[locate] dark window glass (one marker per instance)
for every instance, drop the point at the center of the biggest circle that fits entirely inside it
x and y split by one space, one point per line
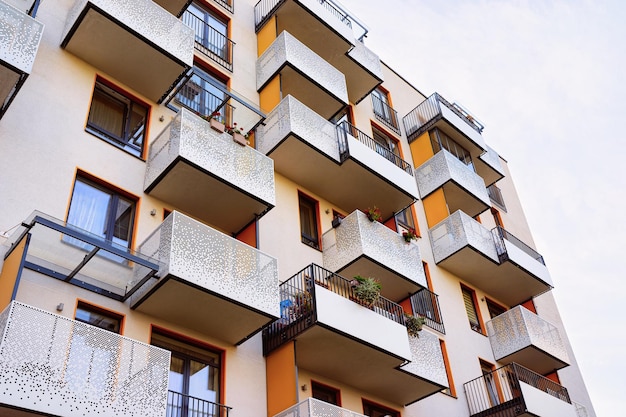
494 309
470 307
325 393
117 119
308 221
375 410
440 140
97 317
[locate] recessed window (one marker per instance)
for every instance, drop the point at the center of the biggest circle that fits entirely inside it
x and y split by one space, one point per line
494 309
98 317
211 34
383 110
309 221
101 211
325 393
469 299
205 95
439 140
118 118
376 410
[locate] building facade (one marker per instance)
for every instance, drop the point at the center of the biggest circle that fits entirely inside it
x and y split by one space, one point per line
194 196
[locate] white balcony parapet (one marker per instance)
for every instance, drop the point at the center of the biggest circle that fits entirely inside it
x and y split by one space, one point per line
20 36
491 158
581 410
208 259
426 358
444 167
146 18
357 236
291 117
367 58
189 137
520 328
312 407
51 364
287 49
458 231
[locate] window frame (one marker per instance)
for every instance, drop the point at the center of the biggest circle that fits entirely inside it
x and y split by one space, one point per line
312 206
468 293
493 307
371 406
214 26
326 389
91 308
128 102
383 110
451 390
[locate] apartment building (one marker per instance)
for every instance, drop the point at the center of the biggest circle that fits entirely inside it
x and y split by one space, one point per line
193 195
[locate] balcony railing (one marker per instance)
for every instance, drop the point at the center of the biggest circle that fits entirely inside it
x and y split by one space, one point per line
299 309
227 4
500 233
426 304
385 113
210 41
345 128
501 392
495 195
312 407
53 365
181 405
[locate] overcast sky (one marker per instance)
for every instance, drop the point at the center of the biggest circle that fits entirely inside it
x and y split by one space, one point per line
547 78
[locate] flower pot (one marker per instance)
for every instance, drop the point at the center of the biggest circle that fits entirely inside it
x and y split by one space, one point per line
240 139
217 125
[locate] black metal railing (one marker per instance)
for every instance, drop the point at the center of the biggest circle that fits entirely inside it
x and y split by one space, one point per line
499 392
194 94
422 117
426 304
226 4
344 129
264 9
499 233
495 195
385 113
181 405
210 41
298 309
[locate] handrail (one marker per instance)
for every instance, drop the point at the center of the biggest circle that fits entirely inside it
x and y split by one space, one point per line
426 304
182 405
500 233
210 41
344 129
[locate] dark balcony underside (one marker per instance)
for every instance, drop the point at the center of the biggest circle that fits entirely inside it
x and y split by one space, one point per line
536 359
349 186
179 301
506 282
341 358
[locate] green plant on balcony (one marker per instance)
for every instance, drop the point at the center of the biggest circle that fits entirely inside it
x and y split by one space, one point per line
239 136
409 235
366 290
215 122
374 214
413 324
302 304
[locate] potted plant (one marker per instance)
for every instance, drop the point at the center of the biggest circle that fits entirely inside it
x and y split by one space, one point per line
409 235
302 303
374 214
215 122
238 134
366 290
413 324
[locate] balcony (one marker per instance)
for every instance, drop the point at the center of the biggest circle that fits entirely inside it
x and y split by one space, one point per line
179 405
435 111
370 249
175 7
210 42
489 166
303 74
48 246
56 366
328 30
208 281
513 391
114 37
385 114
494 261
336 335
426 304
19 42
312 407
189 164
341 165
525 338
463 188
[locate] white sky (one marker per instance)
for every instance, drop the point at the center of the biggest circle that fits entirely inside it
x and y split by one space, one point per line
547 79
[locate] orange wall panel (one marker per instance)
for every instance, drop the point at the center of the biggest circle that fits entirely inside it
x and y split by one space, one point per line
9 273
266 36
248 235
270 96
282 379
421 149
435 207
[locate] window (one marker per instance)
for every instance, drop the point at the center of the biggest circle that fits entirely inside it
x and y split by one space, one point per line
101 211
118 118
98 317
491 382
494 309
195 371
376 410
383 110
495 194
309 221
325 393
211 34
439 140
496 217
469 299
406 220
386 146
205 95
